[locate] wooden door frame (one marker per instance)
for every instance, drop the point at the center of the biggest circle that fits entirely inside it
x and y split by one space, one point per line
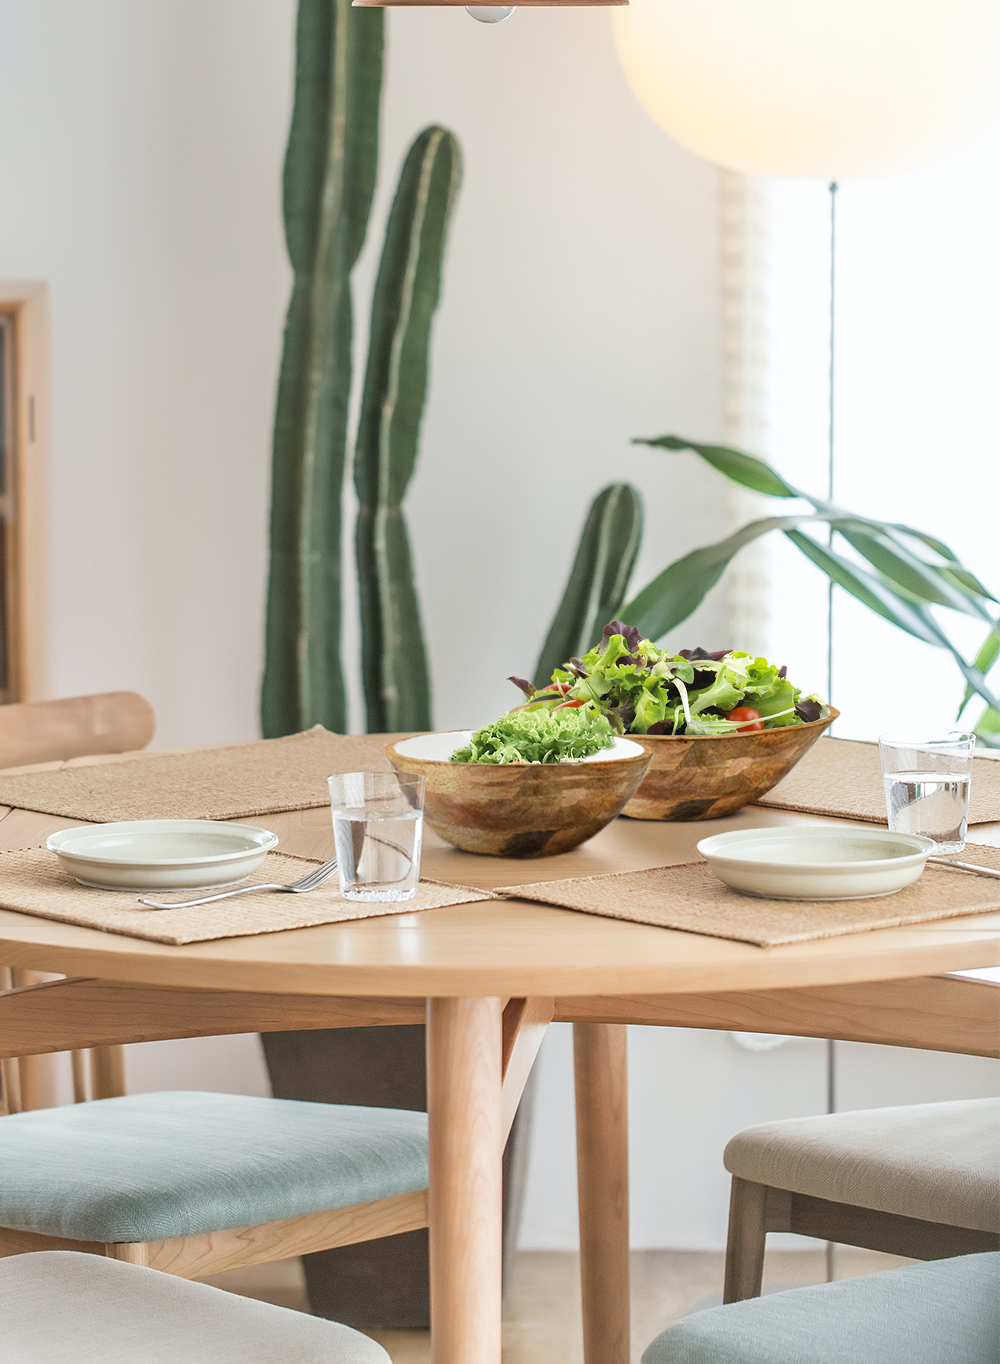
31 608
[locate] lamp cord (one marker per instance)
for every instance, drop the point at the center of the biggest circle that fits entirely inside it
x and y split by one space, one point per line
831 1055
830 427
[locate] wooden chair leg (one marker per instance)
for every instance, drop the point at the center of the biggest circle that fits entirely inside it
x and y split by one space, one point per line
10 1084
129 1253
78 1062
601 1072
745 1244
36 1079
107 1072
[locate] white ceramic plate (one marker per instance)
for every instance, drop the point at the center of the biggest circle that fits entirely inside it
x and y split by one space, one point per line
161 854
440 747
816 863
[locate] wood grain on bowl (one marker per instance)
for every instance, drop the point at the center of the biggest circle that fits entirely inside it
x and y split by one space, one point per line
704 776
522 809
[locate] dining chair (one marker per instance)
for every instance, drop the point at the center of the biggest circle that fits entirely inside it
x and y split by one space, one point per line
922 1314
195 1183
920 1180
74 727
187 1182
56 731
64 1308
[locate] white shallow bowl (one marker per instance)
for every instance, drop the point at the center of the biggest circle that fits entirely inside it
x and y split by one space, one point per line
161 854
815 863
439 748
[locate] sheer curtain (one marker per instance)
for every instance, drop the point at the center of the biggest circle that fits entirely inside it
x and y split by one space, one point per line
917 437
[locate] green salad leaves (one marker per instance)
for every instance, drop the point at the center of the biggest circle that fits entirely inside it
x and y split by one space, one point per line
641 689
539 736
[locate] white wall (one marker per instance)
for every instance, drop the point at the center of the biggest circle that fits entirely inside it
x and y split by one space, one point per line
140 168
140 171
138 162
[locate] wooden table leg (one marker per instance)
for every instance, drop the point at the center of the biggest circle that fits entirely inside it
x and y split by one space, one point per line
466 1146
601 1071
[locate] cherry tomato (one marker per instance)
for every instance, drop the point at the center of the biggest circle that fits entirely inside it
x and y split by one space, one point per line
747 718
571 705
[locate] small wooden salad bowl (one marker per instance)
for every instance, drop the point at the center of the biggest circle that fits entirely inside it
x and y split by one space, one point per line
519 809
704 776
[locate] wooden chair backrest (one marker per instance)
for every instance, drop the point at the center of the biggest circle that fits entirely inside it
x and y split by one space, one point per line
76 727
55 731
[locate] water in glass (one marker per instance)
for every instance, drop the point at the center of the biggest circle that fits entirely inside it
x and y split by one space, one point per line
935 804
377 827
378 854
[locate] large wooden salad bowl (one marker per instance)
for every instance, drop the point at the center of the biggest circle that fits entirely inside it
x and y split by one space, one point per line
521 809
703 776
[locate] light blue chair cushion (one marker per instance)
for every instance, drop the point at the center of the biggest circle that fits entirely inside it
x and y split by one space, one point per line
944 1312
151 1166
59 1307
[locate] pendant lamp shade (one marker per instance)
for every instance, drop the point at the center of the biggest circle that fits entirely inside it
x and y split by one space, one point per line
826 88
497 12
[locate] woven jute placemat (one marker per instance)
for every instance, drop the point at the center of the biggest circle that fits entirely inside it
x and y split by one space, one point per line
689 897
237 781
843 777
34 883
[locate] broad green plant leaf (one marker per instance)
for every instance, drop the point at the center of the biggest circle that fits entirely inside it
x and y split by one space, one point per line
878 596
756 474
682 586
920 580
988 653
598 579
872 591
747 470
987 730
900 590
964 579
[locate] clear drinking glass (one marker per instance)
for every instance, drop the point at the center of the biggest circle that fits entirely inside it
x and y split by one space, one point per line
378 822
927 779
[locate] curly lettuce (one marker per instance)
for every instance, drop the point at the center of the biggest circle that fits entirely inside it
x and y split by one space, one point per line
539 736
642 689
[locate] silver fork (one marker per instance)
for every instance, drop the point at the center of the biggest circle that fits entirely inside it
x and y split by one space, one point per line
964 866
315 878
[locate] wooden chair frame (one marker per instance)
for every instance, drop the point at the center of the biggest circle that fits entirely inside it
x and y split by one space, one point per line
44 1018
756 1209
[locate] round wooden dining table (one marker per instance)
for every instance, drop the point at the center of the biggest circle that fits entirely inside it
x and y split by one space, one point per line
487 978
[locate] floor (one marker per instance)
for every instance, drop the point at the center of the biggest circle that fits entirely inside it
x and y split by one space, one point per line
542 1312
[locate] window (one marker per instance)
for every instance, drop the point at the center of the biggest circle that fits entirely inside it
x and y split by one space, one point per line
917 440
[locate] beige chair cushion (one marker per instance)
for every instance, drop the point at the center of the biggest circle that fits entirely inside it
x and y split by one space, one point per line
61 1307
938 1162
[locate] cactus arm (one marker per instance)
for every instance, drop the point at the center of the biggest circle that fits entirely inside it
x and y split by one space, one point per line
598 579
407 290
329 182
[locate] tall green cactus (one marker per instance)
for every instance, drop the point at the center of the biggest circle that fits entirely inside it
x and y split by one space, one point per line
393 658
598 579
329 180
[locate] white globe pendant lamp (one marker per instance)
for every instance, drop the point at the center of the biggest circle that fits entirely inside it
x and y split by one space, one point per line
826 88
